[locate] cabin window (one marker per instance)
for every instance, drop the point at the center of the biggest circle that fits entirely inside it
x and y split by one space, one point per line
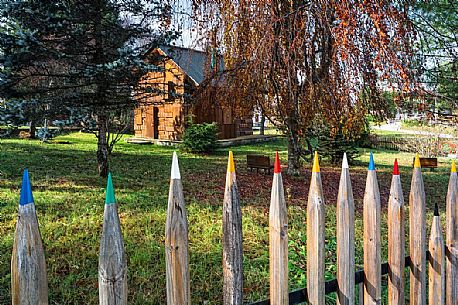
171 90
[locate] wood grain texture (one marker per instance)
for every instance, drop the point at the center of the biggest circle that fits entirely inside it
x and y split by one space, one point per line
371 219
278 243
232 244
361 293
315 241
451 241
417 244
396 243
29 283
345 241
112 260
436 265
176 247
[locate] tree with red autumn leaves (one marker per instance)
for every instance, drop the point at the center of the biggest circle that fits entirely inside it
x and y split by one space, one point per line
308 63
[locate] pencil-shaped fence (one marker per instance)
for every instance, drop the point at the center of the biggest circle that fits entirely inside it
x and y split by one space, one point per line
315 237
417 227
372 248
451 239
278 239
28 268
345 238
396 240
29 283
112 257
176 242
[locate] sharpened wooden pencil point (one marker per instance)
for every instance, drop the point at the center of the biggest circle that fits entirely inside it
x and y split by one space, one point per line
175 172
417 162
396 167
176 242
396 240
29 283
372 248
277 166
315 238
451 238
417 233
112 257
110 195
232 240
345 239
316 163
278 240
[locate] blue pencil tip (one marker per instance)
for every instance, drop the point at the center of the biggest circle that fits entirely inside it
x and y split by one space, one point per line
26 190
371 163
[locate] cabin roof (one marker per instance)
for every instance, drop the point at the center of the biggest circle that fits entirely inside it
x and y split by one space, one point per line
192 62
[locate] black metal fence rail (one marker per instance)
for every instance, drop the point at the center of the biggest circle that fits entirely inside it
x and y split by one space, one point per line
300 296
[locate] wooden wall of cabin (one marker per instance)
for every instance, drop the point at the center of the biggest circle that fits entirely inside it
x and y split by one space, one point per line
244 125
229 125
165 122
161 115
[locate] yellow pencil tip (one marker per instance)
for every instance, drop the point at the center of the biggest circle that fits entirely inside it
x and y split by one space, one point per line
230 163
453 166
417 161
316 164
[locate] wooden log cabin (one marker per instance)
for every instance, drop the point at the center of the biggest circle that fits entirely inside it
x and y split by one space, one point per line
169 97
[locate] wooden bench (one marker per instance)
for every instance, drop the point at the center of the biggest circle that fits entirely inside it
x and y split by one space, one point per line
259 162
427 163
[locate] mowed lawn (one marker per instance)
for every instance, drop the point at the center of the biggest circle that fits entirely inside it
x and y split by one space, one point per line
69 198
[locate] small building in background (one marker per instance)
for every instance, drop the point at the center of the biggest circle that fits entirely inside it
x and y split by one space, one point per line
170 96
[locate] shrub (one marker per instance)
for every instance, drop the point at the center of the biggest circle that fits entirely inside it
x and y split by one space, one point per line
200 138
334 147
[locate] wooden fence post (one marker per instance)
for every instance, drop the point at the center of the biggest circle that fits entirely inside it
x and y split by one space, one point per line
417 229
29 283
451 256
396 240
176 242
436 262
315 238
232 240
345 238
278 240
361 293
112 258
371 212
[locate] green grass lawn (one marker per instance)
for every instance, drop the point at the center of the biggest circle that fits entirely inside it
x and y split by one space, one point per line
69 198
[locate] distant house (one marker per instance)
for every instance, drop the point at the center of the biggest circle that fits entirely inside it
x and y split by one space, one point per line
171 97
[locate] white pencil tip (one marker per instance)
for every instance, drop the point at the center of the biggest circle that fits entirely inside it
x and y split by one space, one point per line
345 161
175 168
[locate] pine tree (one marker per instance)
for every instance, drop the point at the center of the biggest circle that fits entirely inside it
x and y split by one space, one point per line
85 55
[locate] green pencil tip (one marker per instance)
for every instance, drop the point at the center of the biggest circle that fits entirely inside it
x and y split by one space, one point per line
110 195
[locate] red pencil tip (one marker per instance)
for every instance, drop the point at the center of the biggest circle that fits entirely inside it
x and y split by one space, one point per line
277 167
395 167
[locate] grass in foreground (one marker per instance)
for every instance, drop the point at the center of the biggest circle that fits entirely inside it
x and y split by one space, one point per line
70 196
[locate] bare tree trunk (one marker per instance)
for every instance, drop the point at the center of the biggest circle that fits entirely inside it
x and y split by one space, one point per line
102 145
262 122
294 163
32 129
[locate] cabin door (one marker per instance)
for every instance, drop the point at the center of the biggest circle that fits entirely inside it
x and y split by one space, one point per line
147 123
156 122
